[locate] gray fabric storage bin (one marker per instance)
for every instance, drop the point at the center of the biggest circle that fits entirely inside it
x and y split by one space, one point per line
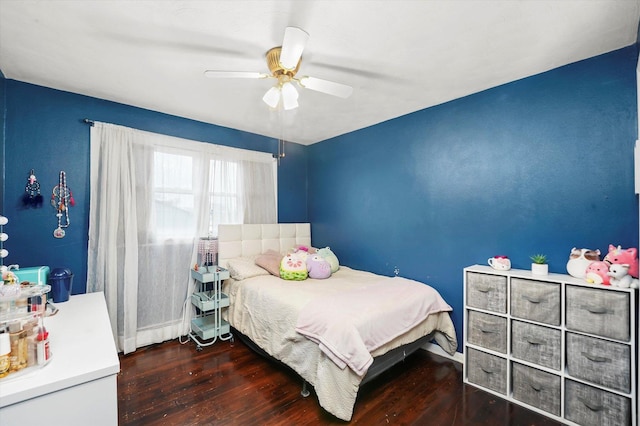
488 292
598 311
535 301
536 388
599 361
537 344
486 370
590 406
488 331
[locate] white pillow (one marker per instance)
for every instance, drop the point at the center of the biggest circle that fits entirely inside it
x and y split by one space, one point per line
241 268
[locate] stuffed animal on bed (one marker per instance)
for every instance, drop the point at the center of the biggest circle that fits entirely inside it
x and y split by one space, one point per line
308 249
302 252
293 267
330 257
318 267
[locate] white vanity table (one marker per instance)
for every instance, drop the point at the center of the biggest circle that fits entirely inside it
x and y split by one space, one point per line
79 385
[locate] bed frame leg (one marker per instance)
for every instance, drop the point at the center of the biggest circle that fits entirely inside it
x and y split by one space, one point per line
305 390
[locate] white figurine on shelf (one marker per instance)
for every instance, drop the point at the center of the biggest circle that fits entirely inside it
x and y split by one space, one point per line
619 273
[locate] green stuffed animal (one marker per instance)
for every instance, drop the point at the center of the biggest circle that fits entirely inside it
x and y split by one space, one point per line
330 257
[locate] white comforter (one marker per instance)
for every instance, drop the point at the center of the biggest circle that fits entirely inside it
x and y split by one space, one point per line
266 309
361 320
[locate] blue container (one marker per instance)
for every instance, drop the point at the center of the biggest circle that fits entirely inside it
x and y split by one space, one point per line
61 280
38 275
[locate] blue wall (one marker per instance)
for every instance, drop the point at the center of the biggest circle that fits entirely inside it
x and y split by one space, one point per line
539 165
45 132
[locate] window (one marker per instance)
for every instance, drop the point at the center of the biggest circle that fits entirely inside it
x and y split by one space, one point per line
173 210
152 198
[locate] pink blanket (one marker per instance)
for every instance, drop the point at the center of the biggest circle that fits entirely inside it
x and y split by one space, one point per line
350 325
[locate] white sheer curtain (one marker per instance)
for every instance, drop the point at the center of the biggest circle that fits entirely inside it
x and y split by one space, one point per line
152 197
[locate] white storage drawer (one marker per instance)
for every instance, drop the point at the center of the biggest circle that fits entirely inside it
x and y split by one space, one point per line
571 347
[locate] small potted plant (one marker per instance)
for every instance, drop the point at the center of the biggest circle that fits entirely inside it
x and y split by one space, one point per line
539 265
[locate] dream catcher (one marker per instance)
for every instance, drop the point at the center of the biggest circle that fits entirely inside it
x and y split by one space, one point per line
32 196
61 200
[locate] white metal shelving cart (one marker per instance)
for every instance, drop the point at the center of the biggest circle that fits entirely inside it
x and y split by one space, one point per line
207 326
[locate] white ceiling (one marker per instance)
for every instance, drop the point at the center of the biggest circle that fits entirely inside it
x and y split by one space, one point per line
400 56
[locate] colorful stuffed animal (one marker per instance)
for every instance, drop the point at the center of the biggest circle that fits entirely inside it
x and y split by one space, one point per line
318 267
293 267
620 277
302 253
623 256
330 257
596 273
579 260
308 249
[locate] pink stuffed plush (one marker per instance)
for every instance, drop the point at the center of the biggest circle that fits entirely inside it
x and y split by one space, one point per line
597 273
621 256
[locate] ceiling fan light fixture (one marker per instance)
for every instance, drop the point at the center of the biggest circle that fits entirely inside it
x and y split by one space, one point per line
289 91
289 96
283 63
272 97
290 104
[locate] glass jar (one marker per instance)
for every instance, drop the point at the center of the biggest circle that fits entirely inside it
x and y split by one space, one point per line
5 350
17 338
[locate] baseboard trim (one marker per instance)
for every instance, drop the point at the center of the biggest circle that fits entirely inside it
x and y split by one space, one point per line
433 348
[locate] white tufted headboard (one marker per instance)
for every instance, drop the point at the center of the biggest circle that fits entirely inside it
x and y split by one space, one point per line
253 239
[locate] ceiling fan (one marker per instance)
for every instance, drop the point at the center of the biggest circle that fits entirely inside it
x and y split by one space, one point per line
284 62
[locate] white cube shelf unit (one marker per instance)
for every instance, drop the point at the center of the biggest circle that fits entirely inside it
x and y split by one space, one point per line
553 343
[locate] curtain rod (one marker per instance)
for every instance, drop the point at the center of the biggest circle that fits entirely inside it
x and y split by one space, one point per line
280 155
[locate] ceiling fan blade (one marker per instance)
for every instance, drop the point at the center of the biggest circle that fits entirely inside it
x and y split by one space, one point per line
292 46
234 74
326 86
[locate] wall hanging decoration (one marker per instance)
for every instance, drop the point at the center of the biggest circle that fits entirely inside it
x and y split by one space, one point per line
61 200
3 237
32 196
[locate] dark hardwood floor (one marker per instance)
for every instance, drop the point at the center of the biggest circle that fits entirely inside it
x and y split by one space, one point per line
228 384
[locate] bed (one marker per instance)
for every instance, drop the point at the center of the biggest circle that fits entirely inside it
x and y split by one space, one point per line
279 316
